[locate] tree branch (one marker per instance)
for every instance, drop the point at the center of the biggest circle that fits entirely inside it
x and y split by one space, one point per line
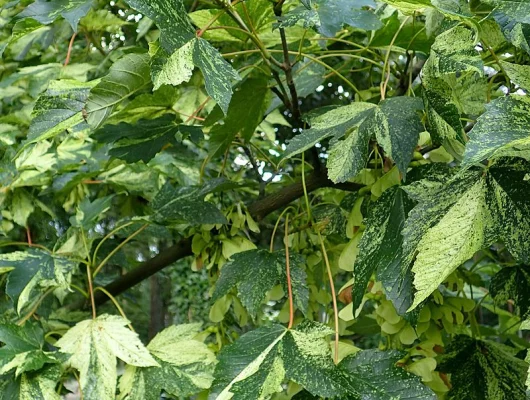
258 209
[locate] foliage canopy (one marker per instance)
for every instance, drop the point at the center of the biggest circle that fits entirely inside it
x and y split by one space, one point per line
264 199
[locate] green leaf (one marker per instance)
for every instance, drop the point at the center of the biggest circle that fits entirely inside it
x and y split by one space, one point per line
34 269
245 113
332 123
349 156
102 21
186 366
89 212
186 204
329 17
373 375
482 370
512 17
48 11
255 272
409 6
94 345
501 131
454 239
126 76
171 69
217 72
250 368
258 362
508 203
22 348
172 19
59 109
21 207
454 51
141 141
443 117
146 106
397 126
512 283
380 250
32 386
518 74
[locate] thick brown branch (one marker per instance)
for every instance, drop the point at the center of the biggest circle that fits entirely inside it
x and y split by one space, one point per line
258 209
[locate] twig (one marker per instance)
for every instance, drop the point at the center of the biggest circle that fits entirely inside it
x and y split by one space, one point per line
69 53
259 178
288 273
333 296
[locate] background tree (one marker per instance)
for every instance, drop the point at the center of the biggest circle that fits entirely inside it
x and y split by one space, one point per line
254 199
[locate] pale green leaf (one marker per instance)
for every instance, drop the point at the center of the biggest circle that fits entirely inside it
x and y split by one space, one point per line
186 366
454 239
518 74
93 346
349 156
126 76
171 69
59 109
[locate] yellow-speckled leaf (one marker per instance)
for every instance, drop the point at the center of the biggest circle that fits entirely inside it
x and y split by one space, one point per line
94 345
453 240
186 366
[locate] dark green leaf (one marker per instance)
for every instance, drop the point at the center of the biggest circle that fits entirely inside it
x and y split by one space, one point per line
397 126
513 18
141 141
482 370
217 72
501 131
235 373
245 113
255 272
380 250
373 375
34 269
186 204
47 11
512 283
172 19
89 212
509 206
